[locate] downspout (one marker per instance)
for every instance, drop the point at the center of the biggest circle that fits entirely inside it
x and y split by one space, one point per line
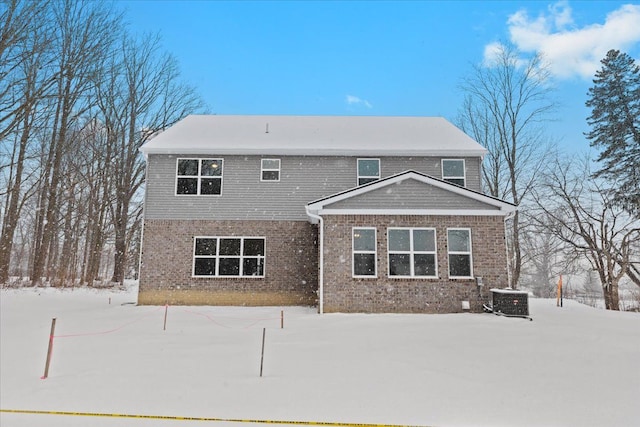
506 247
144 209
320 261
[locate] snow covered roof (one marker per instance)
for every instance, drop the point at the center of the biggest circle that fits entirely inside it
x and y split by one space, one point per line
314 135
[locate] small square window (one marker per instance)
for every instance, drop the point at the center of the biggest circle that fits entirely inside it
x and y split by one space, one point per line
368 170
453 171
270 170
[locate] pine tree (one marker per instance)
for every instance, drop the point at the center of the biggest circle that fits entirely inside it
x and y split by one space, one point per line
614 100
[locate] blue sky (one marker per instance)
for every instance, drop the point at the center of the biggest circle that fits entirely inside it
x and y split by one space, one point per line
380 58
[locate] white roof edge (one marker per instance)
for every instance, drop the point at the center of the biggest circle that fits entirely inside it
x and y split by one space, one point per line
409 211
316 152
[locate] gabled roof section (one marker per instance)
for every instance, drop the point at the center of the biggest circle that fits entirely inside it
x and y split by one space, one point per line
409 193
314 136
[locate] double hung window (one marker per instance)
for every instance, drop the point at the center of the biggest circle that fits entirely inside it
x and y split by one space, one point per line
270 170
412 252
228 256
460 255
368 170
364 252
199 177
453 171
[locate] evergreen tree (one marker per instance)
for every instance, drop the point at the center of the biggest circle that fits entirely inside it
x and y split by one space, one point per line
614 100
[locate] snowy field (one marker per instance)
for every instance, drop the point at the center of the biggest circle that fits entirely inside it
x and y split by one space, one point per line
571 366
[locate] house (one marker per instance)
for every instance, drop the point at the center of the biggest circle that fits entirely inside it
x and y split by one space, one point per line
354 214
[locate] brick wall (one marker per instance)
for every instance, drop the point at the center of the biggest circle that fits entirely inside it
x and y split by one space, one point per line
342 293
291 264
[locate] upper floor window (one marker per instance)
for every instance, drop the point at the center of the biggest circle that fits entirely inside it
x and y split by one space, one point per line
453 171
364 252
368 170
412 252
270 170
228 256
460 256
199 176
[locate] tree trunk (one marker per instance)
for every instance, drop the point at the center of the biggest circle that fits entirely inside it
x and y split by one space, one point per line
12 212
611 297
120 256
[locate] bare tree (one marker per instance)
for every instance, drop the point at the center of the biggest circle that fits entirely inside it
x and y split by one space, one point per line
506 102
22 26
545 258
24 79
84 31
78 96
138 96
580 212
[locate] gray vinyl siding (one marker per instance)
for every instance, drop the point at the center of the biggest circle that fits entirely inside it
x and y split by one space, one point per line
302 180
410 194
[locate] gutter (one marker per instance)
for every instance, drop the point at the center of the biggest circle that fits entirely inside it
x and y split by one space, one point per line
320 261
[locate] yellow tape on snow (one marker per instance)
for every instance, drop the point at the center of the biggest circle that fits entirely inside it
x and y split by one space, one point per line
178 418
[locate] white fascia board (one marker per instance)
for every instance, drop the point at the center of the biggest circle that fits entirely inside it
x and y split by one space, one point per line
310 152
421 212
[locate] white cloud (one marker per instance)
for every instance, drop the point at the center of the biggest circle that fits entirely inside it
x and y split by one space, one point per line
569 50
354 100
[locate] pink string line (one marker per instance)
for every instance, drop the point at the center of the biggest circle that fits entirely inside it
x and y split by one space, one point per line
110 330
225 326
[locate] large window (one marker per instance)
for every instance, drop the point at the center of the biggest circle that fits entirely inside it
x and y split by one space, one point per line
199 177
364 252
228 256
368 170
270 170
412 252
460 257
453 171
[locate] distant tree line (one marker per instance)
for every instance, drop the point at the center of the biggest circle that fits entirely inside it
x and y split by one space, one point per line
79 94
571 220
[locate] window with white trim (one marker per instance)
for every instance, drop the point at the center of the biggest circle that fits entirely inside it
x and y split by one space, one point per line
228 257
412 252
453 171
270 170
368 170
460 253
199 177
364 252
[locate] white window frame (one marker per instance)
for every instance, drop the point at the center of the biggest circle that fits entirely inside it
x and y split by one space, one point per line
469 253
261 258
449 178
373 178
412 252
360 251
199 176
263 170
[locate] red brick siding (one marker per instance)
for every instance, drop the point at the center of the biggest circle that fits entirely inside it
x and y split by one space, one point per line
291 264
342 293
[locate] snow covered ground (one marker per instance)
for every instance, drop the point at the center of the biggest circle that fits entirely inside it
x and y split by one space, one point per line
571 366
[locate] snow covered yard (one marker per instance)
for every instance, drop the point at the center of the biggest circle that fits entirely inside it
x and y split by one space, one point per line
571 366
